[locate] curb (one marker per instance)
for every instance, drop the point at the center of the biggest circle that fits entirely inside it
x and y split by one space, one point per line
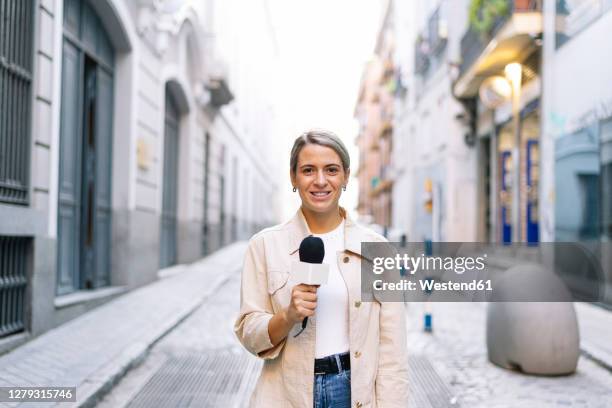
596 357
105 379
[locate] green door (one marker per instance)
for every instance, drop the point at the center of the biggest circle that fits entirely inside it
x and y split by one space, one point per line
84 199
167 253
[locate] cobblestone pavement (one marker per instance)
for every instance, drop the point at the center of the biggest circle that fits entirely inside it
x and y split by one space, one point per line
95 349
457 350
208 329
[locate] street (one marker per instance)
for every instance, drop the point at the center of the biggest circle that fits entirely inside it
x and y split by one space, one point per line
195 343
143 143
200 363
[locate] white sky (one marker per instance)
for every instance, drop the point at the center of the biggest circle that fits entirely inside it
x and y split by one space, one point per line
323 47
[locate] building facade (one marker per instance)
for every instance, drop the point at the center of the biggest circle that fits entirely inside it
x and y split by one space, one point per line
502 133
374 112
123 150
576 191
433 161
489 47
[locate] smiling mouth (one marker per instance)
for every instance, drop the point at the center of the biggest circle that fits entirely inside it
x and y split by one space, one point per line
320 194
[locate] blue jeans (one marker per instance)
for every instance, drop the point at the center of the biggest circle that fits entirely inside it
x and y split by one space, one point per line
333 390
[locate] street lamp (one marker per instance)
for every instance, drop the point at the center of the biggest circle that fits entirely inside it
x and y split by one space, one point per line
513 72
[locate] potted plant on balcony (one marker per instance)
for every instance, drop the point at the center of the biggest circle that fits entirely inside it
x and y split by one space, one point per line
484 13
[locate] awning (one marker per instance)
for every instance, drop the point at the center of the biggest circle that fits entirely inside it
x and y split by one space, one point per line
512 43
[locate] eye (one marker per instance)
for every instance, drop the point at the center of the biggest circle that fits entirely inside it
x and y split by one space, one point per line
333 170
307 170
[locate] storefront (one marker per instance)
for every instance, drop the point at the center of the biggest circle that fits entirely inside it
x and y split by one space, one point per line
529 175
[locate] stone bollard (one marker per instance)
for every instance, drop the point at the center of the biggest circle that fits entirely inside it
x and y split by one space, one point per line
534 337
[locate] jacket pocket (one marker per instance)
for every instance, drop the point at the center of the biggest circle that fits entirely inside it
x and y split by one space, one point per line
276 281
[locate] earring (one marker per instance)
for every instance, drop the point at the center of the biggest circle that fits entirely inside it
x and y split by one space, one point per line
343 188
294 189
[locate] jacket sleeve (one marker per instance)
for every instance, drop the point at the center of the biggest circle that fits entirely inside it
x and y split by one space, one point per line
392 375
251 326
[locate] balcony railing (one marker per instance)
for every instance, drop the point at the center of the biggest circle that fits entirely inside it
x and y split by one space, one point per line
430 43
474 42
436 29
421 56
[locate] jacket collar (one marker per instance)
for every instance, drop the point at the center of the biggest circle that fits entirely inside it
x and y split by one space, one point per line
298 229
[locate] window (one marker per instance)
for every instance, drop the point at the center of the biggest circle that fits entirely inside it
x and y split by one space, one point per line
606 179
16 50
575 15
577 173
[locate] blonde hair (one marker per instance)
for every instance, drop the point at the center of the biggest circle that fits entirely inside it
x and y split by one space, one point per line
322 138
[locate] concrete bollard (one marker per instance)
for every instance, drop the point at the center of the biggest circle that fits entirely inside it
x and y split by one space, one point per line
539 338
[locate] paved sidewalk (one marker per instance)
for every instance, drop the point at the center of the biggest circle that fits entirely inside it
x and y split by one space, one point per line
93 351
595 333
458 352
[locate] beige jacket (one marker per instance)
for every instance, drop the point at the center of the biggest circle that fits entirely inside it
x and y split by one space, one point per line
377 331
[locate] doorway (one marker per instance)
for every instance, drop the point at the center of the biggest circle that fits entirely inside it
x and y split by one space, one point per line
85 158
167 253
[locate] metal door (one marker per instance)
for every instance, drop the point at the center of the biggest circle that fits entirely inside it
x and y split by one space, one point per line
84 201
532 163
205 226
507 184
169 192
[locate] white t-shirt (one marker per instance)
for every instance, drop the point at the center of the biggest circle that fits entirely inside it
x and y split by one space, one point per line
332 300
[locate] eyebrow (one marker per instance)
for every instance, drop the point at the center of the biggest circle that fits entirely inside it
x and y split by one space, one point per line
327 165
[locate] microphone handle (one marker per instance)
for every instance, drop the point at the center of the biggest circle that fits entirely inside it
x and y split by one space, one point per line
304 322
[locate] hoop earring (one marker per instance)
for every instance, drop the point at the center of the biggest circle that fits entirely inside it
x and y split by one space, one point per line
294 189
343 188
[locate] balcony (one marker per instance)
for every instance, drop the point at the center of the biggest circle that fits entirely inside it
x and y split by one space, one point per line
509 38
437 32
430 43
386 128
421 56
220 93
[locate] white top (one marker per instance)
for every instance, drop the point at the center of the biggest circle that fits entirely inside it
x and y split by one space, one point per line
332 300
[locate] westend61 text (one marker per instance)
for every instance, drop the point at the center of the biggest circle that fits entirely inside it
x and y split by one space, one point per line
429 285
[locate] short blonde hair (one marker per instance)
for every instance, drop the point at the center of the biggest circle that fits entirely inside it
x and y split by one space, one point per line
322 138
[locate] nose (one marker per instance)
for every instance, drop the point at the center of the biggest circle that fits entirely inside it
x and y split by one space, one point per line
321 180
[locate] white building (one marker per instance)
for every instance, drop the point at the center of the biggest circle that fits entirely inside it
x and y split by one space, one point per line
435 177
576 192
127 144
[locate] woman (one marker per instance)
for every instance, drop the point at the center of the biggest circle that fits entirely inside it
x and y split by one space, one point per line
351 354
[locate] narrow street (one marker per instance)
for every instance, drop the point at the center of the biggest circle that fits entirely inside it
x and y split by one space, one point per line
199 364
143 143
171 344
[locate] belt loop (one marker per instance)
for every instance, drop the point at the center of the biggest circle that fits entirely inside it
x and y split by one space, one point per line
338 363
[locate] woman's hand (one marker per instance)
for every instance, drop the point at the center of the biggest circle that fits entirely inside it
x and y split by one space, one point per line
303 303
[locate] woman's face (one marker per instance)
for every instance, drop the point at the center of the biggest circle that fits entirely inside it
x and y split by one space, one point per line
319 178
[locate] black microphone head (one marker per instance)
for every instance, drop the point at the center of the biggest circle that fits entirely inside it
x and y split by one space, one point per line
312 250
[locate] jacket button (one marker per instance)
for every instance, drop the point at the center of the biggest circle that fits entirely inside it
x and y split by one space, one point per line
357 354
357 303
358 404
346 259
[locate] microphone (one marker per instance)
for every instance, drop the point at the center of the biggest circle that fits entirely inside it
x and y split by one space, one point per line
312 251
